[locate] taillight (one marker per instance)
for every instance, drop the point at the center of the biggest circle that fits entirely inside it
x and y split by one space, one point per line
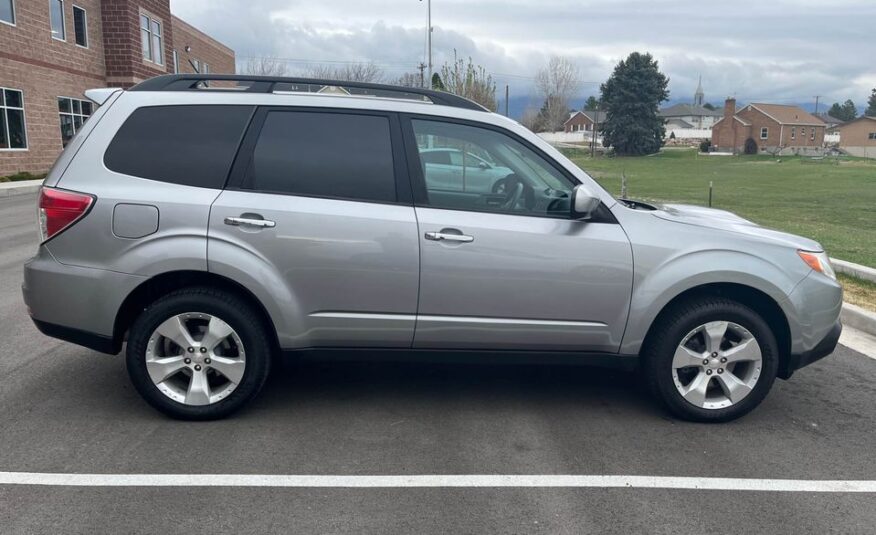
58 209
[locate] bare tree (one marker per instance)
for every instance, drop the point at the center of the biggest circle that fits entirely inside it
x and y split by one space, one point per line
470 81
409 79
530 119
352 72
267 66
557 83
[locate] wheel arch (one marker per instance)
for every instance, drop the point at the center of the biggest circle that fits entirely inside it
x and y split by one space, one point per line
156 287
757 300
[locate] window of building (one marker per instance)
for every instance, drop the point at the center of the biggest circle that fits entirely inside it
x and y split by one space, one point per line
56 12
186 145
764 132
812 134
793 132
206 69
337 155
73 113
803 132
7 11
151 40
872 135
80 26
13 132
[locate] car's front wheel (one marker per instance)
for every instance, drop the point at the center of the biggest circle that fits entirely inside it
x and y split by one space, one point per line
711 359
198 354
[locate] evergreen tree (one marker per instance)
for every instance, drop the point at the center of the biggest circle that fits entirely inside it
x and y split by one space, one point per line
591 104
631 98
709 106
437 84
844 112
871 105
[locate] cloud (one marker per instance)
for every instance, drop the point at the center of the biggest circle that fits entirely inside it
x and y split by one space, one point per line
781 50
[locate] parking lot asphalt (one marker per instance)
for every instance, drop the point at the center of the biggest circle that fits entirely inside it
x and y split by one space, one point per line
66 409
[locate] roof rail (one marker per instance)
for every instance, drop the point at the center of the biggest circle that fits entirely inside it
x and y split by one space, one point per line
270 84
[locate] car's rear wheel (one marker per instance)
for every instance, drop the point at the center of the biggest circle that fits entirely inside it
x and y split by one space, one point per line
711 359
198 354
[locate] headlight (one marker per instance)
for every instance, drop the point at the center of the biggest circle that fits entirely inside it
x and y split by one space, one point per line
818 261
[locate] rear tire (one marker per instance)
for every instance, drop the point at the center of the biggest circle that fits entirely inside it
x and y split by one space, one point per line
710 359
171 343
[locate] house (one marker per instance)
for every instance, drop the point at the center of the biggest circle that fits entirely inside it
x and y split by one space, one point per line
774 128
858 137
51 51
689 116
829 120
583 121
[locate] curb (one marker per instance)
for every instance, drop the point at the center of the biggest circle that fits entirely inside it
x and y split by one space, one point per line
858 318
12 189
855 270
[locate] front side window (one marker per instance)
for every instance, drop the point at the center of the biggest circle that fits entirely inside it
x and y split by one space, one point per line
80 26
151 40
56 12
764 132
7 11
337 155
73 113
488 171
12 128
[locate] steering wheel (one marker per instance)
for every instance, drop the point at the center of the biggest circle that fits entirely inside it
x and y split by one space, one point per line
514 190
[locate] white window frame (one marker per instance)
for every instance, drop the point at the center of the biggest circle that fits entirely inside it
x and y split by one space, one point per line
63 21
12 7
73 114
802 132
153 56
793 132
812 135
84 25
3 109
764 132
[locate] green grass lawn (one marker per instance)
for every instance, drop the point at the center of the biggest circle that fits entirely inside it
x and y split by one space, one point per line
832 200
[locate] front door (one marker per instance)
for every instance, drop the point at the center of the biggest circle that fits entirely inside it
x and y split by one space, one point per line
511 269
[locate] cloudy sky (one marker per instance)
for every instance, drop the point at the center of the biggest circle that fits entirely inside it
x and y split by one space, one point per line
766 50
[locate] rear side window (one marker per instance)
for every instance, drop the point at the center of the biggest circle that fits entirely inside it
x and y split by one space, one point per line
186 145
339 155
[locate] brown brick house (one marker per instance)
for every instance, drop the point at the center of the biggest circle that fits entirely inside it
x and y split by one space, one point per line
51 51
583 121
774 128
858 137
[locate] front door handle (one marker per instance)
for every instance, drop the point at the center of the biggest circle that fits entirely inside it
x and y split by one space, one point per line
248 222
449 236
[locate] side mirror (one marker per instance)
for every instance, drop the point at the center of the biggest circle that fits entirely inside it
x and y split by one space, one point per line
584 203
483 165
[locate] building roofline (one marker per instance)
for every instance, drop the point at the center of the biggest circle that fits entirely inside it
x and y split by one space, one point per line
792 123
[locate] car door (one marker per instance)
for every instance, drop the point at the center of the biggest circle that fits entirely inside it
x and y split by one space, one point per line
318 216
512 270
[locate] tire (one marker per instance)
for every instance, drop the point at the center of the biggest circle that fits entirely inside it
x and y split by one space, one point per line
245 354
698 321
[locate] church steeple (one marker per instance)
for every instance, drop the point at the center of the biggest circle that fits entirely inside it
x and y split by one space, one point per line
699 96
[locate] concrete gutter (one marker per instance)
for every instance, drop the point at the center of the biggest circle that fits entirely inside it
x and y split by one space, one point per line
855 270
23 187
858 318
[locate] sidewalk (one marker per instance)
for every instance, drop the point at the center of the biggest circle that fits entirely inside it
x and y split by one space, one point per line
11 189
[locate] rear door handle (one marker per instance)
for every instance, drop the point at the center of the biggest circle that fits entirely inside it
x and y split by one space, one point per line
248 222
448 236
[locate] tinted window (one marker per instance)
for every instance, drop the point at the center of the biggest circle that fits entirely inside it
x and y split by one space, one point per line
324 154
188 145
488 171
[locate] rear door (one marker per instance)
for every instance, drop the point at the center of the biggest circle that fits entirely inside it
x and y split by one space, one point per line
318 214
511 269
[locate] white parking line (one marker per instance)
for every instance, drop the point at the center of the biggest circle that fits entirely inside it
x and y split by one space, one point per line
440 481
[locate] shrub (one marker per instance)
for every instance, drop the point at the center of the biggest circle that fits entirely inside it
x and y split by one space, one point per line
705 145
22 175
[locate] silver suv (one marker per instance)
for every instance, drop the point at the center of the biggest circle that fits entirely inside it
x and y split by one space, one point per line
212 222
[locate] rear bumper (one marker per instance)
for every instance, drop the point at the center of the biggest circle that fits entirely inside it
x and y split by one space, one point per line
824 348
97 342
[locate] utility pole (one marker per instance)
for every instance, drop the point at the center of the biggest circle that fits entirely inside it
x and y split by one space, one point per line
421 67
506 101
429 35
595 131
816 103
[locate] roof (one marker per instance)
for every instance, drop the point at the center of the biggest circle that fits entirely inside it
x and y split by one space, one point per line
681 123
785 114
682 110
594 116
853 121
829 120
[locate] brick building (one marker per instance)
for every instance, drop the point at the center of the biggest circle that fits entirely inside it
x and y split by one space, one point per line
858 137
773 128
583 121
51 51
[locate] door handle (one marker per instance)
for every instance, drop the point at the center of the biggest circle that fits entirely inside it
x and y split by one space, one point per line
448 236
245 221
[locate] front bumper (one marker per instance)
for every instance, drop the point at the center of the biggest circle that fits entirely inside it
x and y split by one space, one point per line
825 347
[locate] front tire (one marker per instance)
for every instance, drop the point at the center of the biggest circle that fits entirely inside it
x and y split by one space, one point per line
711 360
198 354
